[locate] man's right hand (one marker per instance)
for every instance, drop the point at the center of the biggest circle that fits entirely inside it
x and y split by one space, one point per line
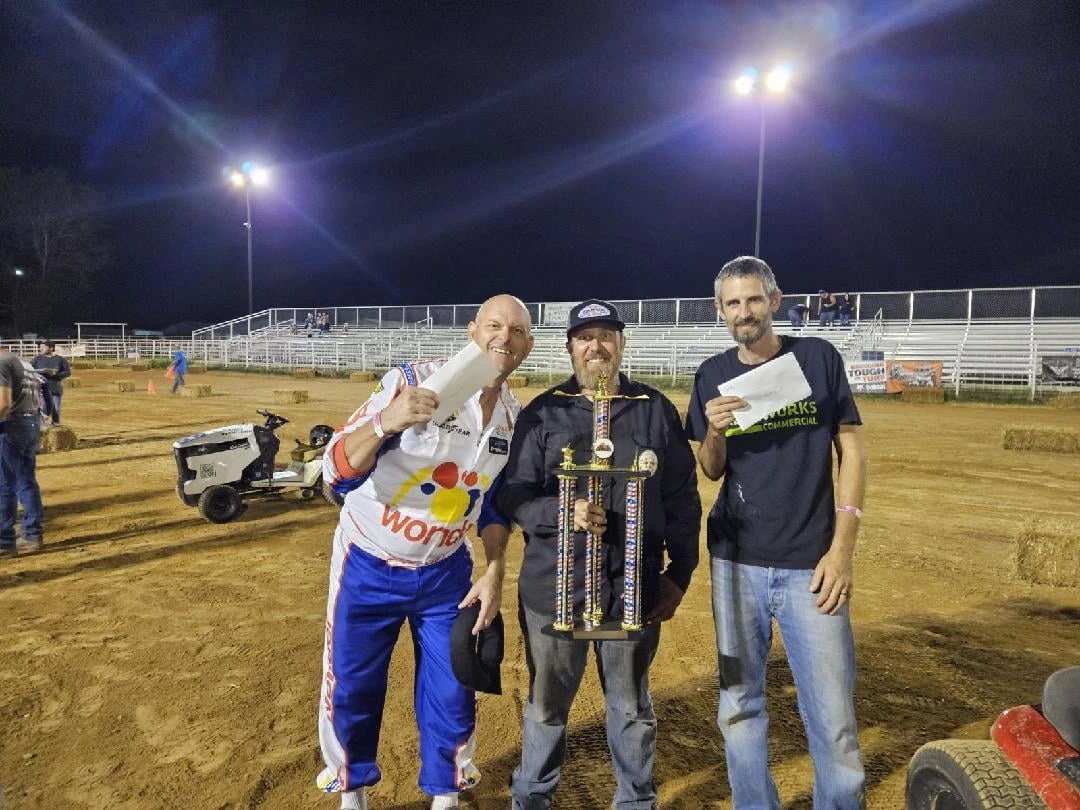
413 406
589 517
719 414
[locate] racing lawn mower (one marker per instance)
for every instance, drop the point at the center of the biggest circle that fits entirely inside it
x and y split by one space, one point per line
1031 762
219 468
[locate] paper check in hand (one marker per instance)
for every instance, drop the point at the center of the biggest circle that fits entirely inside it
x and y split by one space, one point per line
459 378
769 387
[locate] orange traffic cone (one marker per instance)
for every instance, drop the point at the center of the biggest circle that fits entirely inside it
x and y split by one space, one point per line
150 387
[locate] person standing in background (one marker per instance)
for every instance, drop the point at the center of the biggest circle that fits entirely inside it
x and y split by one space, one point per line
179 369
55 369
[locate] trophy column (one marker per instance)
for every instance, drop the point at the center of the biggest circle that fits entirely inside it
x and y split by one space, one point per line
599 473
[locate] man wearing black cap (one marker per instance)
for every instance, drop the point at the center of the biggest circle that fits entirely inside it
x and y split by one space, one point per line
55 369
641 419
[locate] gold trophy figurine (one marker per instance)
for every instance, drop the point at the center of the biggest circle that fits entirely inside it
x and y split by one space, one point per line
598 472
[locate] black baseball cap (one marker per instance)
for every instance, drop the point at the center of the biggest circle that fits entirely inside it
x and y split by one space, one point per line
476 659
50 343
593 311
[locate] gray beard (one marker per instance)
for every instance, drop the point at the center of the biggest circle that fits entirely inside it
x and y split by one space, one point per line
748 339
588 380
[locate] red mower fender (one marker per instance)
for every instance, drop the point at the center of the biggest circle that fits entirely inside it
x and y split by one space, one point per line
1034 746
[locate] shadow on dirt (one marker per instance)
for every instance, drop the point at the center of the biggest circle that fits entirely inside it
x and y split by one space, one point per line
239 533
956 672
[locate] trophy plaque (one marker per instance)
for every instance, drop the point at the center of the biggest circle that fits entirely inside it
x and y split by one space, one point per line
592 624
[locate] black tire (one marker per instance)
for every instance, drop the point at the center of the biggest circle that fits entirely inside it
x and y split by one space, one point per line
330 496
220 503
966 775
307 493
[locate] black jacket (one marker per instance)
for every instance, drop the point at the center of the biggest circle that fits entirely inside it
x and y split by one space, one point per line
672 506
58 364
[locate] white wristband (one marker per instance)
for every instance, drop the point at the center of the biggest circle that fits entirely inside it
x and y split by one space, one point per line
856 511
376 423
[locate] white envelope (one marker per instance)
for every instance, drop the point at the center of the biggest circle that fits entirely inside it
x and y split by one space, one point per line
459 378
769 387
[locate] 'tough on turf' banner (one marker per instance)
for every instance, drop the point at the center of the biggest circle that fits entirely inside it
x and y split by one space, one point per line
913 374
867 376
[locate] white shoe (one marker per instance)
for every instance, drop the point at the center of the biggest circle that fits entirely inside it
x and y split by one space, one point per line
354 800
444 801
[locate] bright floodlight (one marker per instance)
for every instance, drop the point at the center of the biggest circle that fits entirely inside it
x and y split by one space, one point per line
260 176
19 271
778 78
744 85
238 179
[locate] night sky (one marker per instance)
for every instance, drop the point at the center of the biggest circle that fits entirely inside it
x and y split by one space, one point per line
443 151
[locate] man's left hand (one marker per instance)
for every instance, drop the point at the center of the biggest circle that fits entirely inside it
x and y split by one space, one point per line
667 602
488 589
833 582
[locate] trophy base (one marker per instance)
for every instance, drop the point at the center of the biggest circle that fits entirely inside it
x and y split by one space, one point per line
607 631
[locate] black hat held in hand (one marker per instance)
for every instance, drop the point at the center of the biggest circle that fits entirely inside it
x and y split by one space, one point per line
476 659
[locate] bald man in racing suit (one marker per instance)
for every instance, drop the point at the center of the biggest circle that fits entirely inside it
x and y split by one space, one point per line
416 489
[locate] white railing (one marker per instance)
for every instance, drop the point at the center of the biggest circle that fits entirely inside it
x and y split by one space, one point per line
1002 353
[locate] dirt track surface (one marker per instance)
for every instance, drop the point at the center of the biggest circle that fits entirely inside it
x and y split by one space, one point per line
149 659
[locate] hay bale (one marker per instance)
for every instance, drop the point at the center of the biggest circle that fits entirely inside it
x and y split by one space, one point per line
1048 553
57 438
122 386
517 381
1064 401
923 395
73 382
291 397
1049 440
139 366
304 373
197 391
362 376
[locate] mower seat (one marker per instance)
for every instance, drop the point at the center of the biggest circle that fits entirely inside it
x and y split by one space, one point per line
304 452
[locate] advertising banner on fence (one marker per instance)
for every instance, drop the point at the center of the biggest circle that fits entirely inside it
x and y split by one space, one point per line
557 314
913 374
867 376
1060 368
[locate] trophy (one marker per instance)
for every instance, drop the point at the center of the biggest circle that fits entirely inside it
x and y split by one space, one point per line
592 624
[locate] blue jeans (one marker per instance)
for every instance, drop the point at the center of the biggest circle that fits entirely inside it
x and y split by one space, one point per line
178 381
556 666
821 652
56 407
18 478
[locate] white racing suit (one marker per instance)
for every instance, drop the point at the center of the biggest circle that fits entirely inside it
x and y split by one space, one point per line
400 553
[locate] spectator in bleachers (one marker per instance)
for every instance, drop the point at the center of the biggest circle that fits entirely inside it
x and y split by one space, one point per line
309 324
827 306
797 315
845 308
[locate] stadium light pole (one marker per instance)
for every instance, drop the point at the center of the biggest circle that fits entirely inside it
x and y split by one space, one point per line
244 178
776 82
